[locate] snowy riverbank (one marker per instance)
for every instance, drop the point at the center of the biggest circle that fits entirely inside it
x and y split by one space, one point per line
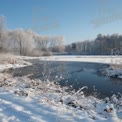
10 61
24 99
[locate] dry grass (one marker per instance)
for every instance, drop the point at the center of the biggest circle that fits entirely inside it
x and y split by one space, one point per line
8 58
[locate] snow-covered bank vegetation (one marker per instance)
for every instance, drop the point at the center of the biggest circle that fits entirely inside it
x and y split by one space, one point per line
115 68
112 72
9 61
24 99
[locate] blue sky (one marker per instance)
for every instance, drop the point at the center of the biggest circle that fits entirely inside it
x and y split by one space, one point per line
71 18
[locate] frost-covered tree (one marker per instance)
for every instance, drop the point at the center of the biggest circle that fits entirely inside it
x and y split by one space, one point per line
23 41
2 32
57 44
50 43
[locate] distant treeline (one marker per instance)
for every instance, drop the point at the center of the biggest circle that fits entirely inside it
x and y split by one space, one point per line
102 45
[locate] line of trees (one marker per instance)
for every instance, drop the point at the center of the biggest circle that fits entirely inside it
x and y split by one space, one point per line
102 45
27 42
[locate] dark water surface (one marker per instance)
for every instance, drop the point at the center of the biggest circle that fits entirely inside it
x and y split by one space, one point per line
74 74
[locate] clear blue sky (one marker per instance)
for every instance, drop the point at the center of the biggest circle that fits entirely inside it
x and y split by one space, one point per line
71 18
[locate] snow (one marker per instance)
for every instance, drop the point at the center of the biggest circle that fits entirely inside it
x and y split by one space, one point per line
112 72
83 58
27 100
17 109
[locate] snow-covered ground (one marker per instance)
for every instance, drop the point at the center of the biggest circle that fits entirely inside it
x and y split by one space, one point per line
7 66
93 59
26 100
15 62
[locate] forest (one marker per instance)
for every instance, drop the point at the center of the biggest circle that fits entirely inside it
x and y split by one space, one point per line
101 45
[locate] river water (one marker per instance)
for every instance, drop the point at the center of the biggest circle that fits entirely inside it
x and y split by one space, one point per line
75 75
